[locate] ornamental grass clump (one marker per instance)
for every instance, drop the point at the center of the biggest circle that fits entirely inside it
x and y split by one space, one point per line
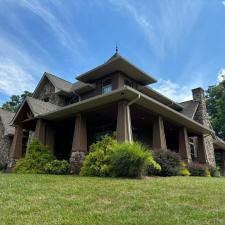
132 160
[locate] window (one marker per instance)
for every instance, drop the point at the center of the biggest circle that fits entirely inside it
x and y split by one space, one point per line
193 147
106 86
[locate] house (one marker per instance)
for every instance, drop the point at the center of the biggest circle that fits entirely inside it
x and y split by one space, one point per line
6 136
115 97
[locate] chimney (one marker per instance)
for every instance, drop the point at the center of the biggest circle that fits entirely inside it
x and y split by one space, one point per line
201 115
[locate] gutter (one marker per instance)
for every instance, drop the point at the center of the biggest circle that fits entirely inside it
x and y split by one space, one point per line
130 139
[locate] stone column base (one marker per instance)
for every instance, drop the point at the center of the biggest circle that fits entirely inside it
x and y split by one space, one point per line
11 165
76 162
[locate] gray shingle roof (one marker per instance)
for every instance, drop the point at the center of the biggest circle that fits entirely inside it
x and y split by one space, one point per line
59 83
190 108
39 107
6 118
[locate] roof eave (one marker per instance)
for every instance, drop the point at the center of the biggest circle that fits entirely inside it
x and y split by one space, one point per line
128 93
113 66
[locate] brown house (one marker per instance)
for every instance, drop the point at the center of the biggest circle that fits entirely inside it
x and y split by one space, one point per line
114 97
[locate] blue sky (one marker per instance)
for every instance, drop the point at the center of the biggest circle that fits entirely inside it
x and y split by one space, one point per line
181 43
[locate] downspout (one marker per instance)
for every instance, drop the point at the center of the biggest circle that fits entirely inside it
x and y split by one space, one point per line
130 139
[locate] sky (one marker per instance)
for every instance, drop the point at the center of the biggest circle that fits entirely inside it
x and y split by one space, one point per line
181 43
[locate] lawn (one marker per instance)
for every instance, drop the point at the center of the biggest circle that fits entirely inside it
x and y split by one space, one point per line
46 199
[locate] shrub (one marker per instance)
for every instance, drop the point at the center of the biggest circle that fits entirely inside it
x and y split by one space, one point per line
198 169
132 160
98 161
37 156
169 161
57 167
184 170
214 171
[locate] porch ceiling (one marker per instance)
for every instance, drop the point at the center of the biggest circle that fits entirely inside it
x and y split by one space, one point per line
127 93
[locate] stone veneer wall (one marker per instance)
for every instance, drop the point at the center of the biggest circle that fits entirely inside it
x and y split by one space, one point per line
5 143
48 90
202 117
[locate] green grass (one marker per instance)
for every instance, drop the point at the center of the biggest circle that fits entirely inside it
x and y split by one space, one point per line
46 199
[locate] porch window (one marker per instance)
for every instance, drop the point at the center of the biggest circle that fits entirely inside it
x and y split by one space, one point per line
106 86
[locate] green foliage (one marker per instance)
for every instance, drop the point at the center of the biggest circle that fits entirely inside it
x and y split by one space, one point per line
169 161
215 101
98 161
132 160
36 158
198 169
184 170
109 158
15 101
57 167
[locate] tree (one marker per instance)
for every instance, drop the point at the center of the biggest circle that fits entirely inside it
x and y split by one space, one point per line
15 101
215 101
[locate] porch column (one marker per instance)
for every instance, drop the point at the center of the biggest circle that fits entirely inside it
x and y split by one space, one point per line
123 129
201 152
159 138
222 163
184 147
79 146
40 131
16 146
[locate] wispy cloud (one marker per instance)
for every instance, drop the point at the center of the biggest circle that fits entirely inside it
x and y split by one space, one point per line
13 78
221 75
223 2
181 90
166 24
69 38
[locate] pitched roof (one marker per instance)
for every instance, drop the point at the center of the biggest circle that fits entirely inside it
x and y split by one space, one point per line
190 108
117 63
81 87
36 106
59 83
160 97
39 107
6 118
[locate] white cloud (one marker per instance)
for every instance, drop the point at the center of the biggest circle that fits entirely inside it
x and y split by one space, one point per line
165 24
66 34
13 78
174 91
221 75
223 2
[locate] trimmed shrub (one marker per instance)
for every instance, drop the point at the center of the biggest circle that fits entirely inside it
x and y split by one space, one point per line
132 160
169 161
37 156
98 161
58 167
199 169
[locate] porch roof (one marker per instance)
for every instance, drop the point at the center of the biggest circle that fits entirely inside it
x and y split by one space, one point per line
127 93
219 143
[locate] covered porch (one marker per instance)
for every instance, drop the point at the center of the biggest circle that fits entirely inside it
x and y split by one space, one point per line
70 131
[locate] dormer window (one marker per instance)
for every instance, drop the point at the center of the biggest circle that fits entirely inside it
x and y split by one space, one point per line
106 86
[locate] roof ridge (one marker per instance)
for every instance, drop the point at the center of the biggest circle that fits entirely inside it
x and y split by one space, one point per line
47 73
